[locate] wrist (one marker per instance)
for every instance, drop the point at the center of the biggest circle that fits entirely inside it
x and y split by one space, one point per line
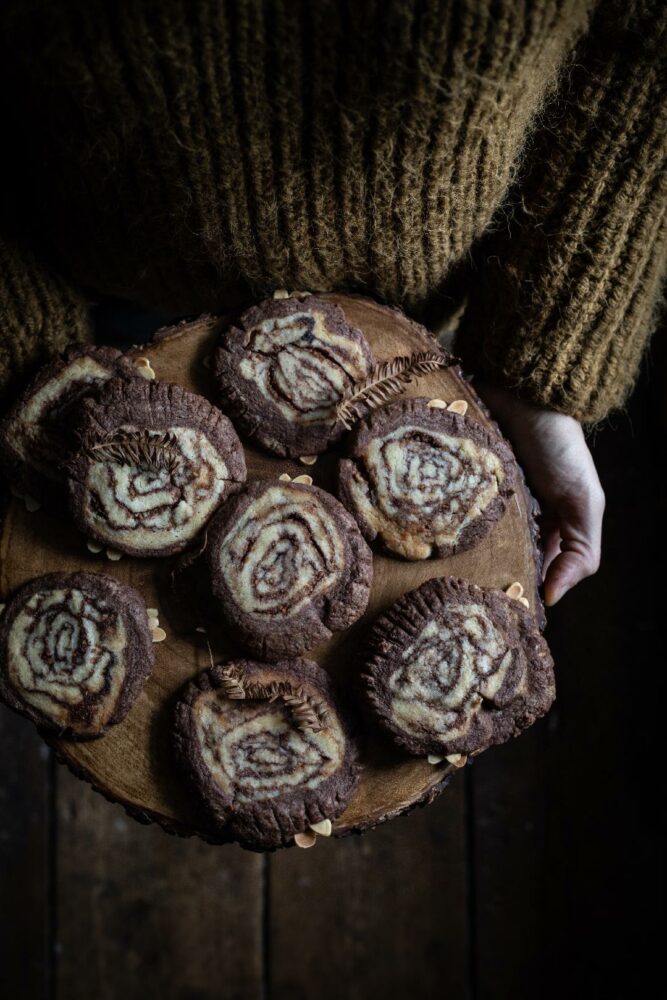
516 414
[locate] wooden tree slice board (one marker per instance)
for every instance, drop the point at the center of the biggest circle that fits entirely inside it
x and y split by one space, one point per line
133 763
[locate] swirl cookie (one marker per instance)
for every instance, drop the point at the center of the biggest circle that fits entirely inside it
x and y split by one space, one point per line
266 749
455 668
75 651
284 368
155 462
35 436
425 481
288 567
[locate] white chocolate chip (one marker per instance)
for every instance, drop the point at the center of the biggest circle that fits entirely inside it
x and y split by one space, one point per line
524 601
308 459
142 362
200 629
285 478
299 295
94 547
146 372
158 635
306 839
281 293
31 504
458 406
152 612
434 759
515 590
457 759
114 555
153 622
304 480
437 404
324 827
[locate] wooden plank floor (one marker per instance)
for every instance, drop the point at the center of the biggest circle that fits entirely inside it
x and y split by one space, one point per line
534 875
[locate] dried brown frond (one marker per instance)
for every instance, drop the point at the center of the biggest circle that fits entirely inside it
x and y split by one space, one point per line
142 448
308 713
387 380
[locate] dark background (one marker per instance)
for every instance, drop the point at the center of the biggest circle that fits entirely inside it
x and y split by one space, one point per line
536 874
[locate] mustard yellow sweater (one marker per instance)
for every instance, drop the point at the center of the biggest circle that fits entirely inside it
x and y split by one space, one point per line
194 154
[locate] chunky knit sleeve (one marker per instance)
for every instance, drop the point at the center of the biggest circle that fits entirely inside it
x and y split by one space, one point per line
40 315
568 286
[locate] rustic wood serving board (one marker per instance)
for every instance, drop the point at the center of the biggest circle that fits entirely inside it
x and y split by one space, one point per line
133 763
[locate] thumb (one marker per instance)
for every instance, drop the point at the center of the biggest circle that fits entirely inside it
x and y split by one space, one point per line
579 554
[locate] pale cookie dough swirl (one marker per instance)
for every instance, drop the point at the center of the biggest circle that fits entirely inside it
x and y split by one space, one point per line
283 369
288 566
135 506
282 553
36 435
66 648
155 461
425 489
267 748
75 652
254 752
301 366
454 668
444 674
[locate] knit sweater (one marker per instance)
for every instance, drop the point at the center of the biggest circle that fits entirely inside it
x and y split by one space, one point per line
194 154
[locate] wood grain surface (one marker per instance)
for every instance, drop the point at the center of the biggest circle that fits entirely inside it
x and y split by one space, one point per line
536 875
133 763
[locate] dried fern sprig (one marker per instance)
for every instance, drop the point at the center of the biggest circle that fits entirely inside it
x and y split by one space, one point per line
232 686
388 379
140 448
307 713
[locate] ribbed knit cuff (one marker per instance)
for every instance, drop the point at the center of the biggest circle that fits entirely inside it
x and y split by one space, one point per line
40 316
569 290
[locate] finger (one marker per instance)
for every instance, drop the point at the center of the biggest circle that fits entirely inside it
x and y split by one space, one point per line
579 556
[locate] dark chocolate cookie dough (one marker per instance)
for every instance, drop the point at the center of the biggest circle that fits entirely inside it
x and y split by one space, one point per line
266 748
288 567
154 463
75 651
36 435
283 369
425 481
455 668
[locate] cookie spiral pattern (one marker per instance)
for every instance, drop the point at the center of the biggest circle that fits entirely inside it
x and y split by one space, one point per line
75 651
143 506
154 462
425 482
35 437
454 668
66 647
287 567
254 752
267 749
282 553
282 370
301 366
444 674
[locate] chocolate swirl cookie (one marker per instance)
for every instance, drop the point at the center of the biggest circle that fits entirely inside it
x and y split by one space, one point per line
75 651
284 368
425 481
455 668
155 461
266 748
36 436
288 567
